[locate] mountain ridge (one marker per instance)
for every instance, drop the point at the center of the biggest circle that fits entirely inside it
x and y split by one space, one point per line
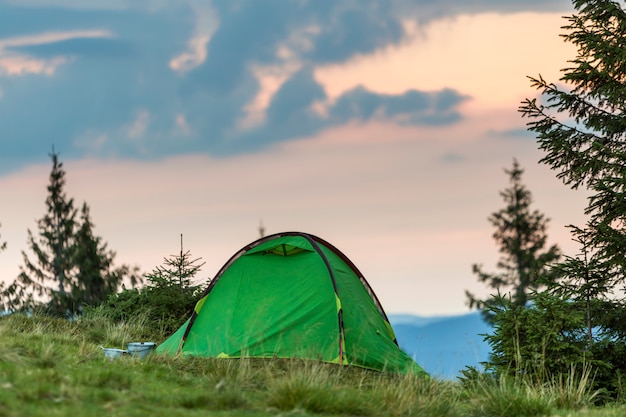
443 345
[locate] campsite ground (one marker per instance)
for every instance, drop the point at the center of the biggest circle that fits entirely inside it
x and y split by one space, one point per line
53 367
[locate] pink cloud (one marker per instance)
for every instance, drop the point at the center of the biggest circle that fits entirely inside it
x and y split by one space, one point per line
205 26
486 56
22 65
16 64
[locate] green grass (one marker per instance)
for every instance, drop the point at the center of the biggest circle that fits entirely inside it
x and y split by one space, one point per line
54 367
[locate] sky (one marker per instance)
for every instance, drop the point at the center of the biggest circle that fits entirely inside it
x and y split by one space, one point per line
381 126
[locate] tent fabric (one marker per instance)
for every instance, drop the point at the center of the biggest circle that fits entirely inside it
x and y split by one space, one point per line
291 295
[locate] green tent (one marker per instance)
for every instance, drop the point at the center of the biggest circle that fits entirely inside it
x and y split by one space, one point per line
291 295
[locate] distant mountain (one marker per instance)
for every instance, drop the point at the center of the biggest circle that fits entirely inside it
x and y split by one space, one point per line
401 319
443 345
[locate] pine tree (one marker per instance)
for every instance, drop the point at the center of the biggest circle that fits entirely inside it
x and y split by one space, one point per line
95 277
583 283
521 236
581 126
169 296
176 271
49 276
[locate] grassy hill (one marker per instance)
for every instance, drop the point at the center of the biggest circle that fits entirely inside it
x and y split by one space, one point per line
52 367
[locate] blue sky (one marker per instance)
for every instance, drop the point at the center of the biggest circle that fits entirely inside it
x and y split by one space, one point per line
382 126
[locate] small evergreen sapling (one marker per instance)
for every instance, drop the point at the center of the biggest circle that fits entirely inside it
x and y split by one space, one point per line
167 299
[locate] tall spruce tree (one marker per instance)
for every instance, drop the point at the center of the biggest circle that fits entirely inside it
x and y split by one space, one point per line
581 126
521 236
49 277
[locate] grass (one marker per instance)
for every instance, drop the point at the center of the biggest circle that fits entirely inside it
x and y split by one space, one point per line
53 368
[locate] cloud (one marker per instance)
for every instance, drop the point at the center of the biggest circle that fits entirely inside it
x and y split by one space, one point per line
140 125
269 80
115 66
206 23
78 4
462 53
81 47
20 21
453 157
50 37
520 133
91 143
182 127
21 65
360 28
293 111
429 10
246 34
194 57
294 99
22 55
226 78
412 107
267 32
